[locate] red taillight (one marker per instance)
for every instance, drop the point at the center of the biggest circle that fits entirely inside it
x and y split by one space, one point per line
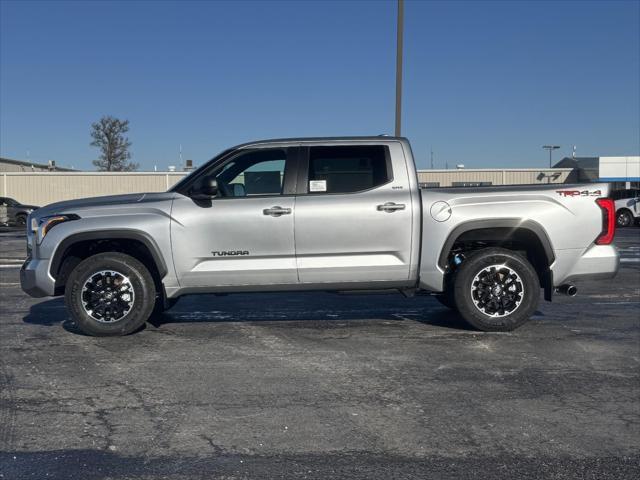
608 221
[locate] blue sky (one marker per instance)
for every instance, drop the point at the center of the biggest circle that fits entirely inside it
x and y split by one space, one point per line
486 83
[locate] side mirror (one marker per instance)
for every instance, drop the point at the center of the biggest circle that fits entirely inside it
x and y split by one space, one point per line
205 189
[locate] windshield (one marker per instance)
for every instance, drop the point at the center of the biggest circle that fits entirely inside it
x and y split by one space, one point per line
187 179
10 202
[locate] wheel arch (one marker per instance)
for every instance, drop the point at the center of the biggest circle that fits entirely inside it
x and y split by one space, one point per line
512 224
506 232
78 246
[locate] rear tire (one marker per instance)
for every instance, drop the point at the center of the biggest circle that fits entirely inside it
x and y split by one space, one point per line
496 290
110 294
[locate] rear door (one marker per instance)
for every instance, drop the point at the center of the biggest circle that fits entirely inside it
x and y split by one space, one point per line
353 219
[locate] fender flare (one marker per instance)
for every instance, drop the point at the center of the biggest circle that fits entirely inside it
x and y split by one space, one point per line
108 234
513 223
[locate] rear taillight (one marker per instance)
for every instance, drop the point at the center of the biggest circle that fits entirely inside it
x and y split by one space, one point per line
608 221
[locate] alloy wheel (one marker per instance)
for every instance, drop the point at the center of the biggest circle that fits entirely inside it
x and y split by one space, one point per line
107 296
497 290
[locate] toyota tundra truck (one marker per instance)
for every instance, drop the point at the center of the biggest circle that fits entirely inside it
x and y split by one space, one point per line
330 214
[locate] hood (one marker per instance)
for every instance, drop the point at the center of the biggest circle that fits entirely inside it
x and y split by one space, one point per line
70 206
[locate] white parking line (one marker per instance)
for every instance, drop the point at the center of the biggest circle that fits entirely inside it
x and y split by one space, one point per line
630 260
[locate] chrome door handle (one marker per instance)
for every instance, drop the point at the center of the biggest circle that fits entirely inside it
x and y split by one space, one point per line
276 211
391 207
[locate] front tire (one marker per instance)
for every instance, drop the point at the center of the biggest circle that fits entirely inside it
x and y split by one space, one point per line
110 294
496 290
624 218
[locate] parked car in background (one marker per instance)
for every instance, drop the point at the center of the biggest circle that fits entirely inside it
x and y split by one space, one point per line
627 206
16 213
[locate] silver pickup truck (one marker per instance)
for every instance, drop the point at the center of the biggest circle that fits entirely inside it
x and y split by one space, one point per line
334 214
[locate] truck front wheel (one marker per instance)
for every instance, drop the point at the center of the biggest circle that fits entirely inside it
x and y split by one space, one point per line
110 294
496 290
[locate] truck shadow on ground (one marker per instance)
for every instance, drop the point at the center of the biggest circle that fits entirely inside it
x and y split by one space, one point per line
276 307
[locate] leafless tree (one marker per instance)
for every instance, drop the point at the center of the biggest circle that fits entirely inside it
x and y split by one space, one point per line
109 136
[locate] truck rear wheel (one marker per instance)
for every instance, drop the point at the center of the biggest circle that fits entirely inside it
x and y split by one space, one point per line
496 290
110 294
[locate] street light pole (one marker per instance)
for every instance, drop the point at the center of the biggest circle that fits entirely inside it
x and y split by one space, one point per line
400 32
551 148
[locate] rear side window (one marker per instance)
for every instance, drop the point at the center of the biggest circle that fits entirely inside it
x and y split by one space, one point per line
348 169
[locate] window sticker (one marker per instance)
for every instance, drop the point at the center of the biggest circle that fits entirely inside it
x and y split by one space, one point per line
317 185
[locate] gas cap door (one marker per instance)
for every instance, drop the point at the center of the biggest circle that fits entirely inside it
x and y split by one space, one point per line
440 211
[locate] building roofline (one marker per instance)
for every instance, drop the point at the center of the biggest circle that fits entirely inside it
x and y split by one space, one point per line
28 164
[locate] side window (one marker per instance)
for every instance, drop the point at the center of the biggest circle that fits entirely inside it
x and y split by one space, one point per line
348 169
259 172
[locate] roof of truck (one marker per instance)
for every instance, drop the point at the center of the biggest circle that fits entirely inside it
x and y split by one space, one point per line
370 138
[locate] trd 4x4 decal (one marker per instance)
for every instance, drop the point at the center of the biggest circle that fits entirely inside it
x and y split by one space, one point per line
579 193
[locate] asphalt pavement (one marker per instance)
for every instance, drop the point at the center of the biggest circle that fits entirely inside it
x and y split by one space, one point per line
323 386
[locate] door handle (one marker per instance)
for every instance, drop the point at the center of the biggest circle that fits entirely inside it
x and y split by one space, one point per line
276 211
391 207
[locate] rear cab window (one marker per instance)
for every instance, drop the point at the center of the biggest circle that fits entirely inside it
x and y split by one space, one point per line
348 168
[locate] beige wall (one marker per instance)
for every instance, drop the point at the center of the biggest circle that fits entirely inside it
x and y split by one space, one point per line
42 188
515 176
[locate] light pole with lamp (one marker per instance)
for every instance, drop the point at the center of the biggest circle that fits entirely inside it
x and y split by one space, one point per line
551 148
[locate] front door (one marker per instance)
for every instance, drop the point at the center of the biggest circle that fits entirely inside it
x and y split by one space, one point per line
354 216
243 236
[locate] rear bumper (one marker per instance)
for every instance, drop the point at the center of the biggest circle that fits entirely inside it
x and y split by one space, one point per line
598 262
35 280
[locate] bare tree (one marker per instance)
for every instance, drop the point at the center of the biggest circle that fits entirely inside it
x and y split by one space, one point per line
109 136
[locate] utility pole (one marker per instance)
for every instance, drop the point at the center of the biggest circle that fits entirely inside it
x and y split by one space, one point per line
400 32
551 148
431 159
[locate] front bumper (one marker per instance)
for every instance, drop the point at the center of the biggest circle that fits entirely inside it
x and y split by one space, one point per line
35 280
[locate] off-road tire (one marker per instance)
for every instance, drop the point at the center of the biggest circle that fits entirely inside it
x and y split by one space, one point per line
141 282
475 265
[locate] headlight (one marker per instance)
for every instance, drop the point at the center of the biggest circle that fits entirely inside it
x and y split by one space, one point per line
42 226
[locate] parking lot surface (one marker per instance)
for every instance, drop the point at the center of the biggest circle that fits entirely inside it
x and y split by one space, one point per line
319 385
